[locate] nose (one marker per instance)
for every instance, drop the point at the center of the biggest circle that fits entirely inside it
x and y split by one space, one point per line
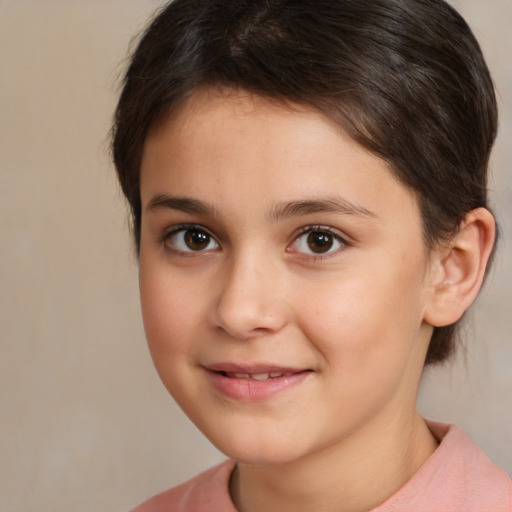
251 300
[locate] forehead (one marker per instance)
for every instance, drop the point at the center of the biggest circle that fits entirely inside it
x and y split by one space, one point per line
213 114
239 150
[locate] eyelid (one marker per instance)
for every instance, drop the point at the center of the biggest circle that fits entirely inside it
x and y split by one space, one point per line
336 234
173 230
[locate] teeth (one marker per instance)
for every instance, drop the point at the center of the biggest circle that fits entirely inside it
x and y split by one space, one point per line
258 376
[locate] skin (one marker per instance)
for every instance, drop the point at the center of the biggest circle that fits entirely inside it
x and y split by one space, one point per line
347 435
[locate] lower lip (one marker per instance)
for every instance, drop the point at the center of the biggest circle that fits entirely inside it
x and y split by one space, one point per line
249 390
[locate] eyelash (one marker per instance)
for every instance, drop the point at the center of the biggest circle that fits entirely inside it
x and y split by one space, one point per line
303 231
184 227
321 229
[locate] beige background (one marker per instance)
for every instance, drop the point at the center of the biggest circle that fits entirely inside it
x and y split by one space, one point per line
85 425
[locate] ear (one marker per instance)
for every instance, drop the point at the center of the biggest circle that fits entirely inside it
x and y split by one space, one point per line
458 268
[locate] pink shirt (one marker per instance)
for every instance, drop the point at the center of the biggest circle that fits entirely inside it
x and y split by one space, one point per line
458 477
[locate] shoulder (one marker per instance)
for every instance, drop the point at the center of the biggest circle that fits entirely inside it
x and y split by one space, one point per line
208 491
458 476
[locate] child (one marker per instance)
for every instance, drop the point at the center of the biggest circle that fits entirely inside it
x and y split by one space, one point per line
307 180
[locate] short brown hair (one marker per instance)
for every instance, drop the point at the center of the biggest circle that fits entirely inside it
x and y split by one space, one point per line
405 79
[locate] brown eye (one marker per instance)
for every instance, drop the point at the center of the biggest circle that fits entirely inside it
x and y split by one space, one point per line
196 240
320 242
192 240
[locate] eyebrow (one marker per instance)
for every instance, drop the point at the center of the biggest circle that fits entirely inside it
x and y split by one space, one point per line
184 204
332 204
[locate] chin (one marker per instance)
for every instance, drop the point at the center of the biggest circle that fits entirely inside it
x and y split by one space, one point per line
258 450
257 458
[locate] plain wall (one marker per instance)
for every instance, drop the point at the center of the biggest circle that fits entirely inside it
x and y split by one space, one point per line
85 424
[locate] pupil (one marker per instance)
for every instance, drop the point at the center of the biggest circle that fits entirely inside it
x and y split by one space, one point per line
196 240
319 242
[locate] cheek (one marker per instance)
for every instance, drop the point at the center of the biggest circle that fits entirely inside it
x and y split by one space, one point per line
360 323
170 311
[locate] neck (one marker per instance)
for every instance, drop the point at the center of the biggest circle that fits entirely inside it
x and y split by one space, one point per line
355 475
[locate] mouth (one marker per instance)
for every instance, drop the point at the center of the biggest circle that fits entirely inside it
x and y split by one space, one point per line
254 383
256 376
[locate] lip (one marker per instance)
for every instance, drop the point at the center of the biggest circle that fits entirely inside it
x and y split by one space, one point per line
236 380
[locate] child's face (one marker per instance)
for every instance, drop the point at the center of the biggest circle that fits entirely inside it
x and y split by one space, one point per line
273 244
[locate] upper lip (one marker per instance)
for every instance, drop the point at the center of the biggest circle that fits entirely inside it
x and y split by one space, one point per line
253 368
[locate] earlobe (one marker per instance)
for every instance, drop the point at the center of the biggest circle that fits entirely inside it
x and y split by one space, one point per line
460 269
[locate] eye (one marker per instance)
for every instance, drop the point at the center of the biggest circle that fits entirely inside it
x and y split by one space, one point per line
318 240
191 239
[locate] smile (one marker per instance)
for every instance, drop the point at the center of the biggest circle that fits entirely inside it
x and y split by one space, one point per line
256 376
255 383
